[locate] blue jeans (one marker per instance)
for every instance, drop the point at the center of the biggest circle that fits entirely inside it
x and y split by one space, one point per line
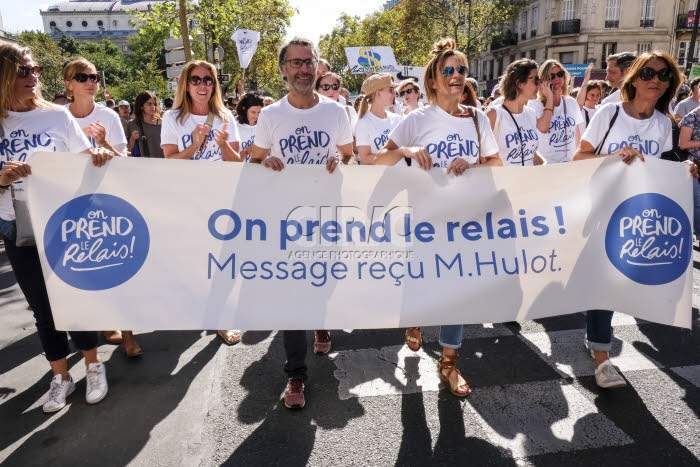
696 207
599 330
451 336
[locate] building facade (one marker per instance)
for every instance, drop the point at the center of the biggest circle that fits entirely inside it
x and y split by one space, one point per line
5 37
580 31
94 20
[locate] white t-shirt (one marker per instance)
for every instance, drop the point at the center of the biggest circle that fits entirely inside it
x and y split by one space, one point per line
114 131
174 132
558 144
302 136
651 137
613 98
512 151
247 135
445 136
374 132
40 129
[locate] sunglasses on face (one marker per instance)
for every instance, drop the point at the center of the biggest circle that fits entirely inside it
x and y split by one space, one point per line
449 70
197 80
328 87
83 77
647 74
24 71
298 62
407 91
558 74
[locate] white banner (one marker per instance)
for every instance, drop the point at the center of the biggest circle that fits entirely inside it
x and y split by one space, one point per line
246 43
371 59
174 244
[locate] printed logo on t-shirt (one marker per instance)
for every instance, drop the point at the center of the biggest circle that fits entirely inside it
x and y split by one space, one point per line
96 242
648 239
247 143
561 131
520 151
380 141
17 144
647 147
211 151
443 151
306 147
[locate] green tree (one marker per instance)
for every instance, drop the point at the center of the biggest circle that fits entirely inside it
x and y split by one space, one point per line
49 56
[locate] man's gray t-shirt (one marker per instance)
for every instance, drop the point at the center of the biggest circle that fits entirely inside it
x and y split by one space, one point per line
685 106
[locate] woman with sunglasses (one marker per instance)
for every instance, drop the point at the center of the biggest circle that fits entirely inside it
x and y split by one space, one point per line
200 127
100 124
432 127
329 85
25 117
640 117
514 123
144 129
375 123
409 92
247 113
558 114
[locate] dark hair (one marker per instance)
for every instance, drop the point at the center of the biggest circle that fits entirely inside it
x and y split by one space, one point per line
168 102
470 98
141 100
628 92
108 102
332 75
295 41
247 101
516 73
694 82
623 60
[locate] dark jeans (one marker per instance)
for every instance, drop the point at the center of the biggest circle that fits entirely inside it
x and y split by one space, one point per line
599 329
295 346
27 268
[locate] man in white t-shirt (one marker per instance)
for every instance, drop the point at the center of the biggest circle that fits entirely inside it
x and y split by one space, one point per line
301 128
617 67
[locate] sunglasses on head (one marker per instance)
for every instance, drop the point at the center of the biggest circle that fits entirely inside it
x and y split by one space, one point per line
647 74
24 71
83 77
407 91
449 70
197 80
558 74
328 87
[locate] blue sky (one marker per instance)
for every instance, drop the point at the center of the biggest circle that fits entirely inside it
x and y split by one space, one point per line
315 17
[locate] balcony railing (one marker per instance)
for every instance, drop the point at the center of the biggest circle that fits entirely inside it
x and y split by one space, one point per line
612 24
505 40
646 23
685 21
569 26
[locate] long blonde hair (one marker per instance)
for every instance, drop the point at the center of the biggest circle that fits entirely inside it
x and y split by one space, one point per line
545 73
72 68
444 48
10 57
183 102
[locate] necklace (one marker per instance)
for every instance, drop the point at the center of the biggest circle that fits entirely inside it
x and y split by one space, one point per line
642 115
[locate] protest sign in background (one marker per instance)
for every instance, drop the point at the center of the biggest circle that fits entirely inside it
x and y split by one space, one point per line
161 244
371 59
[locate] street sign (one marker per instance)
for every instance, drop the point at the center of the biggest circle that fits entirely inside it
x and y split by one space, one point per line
225 78
173 43
175 56
215 55
174 71
172 85
694 72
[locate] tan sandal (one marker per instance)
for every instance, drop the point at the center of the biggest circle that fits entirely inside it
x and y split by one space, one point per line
450 364
230 336
129 344
412 342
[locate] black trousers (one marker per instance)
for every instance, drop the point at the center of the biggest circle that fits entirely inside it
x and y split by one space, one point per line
27 268
295 346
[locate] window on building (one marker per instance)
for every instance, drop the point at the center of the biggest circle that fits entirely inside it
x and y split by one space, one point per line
69 24
523 54
84 23
692 4
534 20
523 25
612 14
100 23
566 57
533 54
643 47
568 10
609 48
647 14
52 24
683 49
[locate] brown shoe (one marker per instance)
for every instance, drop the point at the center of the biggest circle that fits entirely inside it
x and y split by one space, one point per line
113 337
131 348
322 342
294 394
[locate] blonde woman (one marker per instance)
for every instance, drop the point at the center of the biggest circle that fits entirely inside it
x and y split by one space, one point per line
409 92
25 115
375 123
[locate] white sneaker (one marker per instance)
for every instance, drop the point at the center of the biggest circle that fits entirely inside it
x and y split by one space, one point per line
606 376
96 383
58 392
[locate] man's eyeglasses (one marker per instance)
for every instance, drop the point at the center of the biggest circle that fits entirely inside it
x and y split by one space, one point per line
328 87
407 91
83 77
197 80
647 74
24 71
298 62
449 70
558 74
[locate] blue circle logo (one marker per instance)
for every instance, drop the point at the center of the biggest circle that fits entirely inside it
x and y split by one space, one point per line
649 239
96 242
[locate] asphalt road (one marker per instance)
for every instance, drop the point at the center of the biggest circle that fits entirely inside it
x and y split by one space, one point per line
191 401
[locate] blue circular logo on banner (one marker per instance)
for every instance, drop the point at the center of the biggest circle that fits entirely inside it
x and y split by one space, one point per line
96 242
649 239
